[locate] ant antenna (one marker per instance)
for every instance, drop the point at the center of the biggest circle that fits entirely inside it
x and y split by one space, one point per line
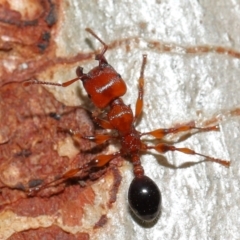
105 46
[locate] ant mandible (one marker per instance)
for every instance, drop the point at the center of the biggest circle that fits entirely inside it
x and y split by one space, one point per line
105 87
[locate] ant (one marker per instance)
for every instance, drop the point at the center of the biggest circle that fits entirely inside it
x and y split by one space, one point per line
105 87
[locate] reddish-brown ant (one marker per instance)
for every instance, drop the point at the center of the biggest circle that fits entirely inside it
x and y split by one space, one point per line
105 87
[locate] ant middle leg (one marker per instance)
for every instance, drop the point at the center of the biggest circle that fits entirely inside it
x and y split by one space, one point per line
162 132
97 138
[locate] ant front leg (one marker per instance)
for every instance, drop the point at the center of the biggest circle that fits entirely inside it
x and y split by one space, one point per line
139 103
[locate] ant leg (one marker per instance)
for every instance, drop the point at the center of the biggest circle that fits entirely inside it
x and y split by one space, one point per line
163 148
162 132
139 103
102 123
103 159
97 162
69 174
97 138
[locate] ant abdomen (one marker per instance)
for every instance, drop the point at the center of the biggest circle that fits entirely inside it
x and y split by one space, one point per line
144 198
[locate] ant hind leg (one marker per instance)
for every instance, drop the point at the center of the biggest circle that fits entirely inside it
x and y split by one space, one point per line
163 148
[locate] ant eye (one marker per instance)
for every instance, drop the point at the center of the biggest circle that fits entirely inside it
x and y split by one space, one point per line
89 96
144 198
79 71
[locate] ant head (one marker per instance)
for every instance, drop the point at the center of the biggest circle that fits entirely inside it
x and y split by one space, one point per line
103 84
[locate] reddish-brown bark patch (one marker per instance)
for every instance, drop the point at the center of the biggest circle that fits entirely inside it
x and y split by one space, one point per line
31 130
28 29
30 119
72 208
50 233
30 155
